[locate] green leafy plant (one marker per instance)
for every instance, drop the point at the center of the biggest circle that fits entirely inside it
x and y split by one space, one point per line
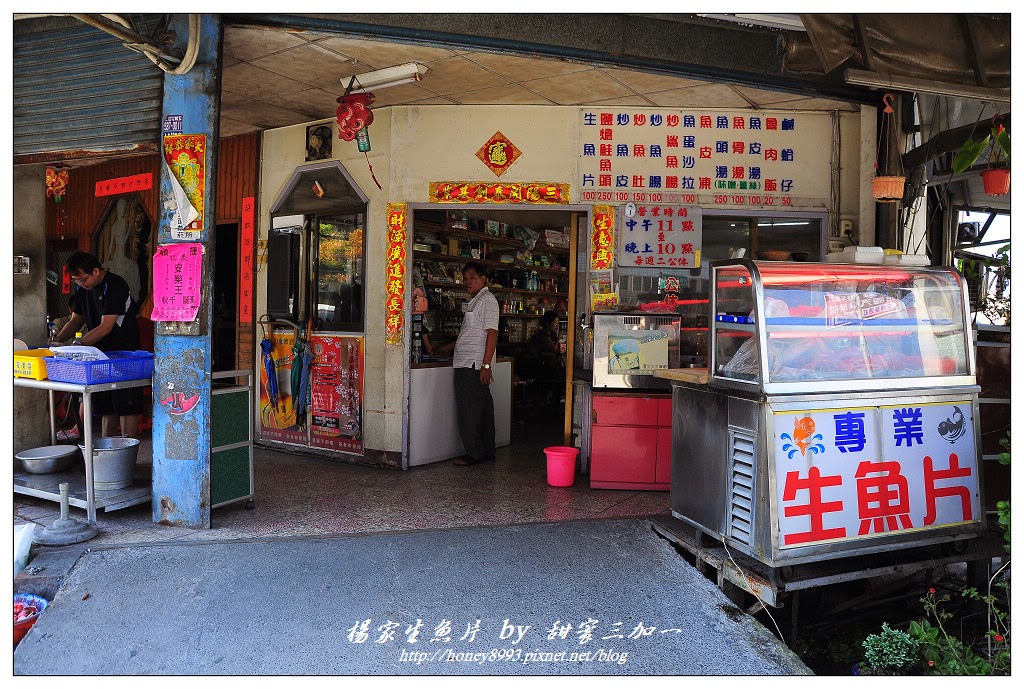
947 654
1003 506
996 145
891 651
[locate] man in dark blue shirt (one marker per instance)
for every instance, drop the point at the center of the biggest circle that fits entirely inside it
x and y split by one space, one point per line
104 303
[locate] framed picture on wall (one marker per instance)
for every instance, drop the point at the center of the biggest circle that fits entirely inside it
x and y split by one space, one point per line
318 142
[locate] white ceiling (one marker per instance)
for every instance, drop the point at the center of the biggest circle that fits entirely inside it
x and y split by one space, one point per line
276 78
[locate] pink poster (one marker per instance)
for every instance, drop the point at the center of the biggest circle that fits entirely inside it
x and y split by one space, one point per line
177 275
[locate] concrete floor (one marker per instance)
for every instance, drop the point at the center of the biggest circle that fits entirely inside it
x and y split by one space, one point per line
588 597
332 543
310 496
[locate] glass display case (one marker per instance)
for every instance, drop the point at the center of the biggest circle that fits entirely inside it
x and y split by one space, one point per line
791 326
839 414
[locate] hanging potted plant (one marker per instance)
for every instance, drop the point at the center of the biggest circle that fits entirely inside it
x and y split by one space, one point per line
994 150
887 188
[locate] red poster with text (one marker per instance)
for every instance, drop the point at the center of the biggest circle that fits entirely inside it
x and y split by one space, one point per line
337 393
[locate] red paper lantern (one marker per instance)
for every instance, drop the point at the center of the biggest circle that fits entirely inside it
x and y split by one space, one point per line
353 114
56 184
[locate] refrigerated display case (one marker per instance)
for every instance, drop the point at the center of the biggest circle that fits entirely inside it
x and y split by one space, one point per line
838 416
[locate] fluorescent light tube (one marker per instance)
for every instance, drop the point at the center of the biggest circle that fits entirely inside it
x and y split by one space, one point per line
384 78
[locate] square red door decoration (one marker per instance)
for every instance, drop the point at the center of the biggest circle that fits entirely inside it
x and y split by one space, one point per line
498 153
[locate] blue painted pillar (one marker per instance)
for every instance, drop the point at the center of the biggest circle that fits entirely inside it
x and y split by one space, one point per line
181 378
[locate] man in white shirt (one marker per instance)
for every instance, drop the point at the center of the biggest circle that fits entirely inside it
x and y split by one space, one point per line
472 361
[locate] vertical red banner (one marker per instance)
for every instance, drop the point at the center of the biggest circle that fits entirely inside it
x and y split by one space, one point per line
394 287
245 259
602 238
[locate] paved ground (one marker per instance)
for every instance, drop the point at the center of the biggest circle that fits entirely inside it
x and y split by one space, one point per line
620 599
302 496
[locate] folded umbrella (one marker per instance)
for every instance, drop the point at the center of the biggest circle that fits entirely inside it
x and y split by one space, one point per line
267 346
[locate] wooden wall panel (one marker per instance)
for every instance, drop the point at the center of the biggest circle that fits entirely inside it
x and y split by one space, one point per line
238 178
81 211
237 174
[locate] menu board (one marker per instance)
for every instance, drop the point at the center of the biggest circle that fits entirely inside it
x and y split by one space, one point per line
659 235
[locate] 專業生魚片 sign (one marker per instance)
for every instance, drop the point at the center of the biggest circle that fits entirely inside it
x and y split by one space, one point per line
851 473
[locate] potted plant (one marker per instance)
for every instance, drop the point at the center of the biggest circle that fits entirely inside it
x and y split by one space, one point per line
995 150
889 652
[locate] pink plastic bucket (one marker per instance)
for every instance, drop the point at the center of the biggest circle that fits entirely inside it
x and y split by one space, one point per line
561 465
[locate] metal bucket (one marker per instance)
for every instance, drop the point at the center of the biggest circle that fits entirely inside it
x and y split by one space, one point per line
113 462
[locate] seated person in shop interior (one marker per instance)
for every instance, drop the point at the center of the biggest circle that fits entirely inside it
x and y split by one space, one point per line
104 302
426 344
541 358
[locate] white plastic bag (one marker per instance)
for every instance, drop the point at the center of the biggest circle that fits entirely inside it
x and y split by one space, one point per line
22 543
78 353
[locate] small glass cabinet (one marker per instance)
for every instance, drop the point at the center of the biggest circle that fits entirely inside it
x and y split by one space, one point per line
793 327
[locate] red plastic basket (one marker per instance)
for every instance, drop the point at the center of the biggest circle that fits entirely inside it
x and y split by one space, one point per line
119 366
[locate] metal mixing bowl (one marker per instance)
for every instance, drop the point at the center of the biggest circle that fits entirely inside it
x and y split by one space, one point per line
48 460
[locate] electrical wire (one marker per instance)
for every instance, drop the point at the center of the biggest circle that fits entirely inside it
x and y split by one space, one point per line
144 44
752 591
833 229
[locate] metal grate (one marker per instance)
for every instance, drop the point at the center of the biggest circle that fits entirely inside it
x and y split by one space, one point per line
77 88
741 486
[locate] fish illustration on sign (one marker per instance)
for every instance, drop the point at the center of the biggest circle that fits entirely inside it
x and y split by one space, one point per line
954 427
803 439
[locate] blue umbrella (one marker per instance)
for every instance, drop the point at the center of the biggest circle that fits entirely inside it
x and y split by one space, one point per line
268 363
306 357
296 377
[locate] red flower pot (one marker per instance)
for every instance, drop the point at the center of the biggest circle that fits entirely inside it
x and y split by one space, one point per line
996 181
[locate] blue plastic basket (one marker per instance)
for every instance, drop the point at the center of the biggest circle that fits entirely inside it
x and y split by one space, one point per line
119 366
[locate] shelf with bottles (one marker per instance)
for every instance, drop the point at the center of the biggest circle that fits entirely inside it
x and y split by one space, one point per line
427 231
495 289
550 269
455 235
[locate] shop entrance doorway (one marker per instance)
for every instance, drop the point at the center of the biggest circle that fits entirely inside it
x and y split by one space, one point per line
225 299
528 257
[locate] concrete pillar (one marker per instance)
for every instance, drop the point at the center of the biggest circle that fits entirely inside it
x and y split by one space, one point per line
29 291
182 437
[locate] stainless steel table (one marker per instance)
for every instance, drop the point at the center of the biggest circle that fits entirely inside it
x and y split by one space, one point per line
86 391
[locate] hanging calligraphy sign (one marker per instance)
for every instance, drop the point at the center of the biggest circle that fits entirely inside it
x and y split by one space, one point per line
394 272
499 192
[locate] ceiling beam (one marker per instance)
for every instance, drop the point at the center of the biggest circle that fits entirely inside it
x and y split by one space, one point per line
947 142
685 46
972 49
913 85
